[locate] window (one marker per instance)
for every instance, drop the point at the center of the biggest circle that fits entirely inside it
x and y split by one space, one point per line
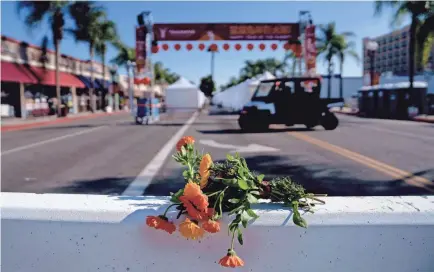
264 89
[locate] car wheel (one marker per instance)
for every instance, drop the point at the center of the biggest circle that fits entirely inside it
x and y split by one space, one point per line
329 121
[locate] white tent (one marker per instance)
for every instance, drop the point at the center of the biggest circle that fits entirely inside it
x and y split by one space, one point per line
184 95
237 96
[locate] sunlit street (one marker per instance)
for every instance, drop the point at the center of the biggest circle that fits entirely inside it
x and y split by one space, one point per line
217 135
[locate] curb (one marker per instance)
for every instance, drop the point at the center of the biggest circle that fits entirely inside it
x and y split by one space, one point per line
424 120
416 119
60 120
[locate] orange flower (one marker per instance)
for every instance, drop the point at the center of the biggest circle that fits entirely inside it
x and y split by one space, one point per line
191 230
196 207
231 260
211 226
204 166
191 190
161 223
153 221
184 141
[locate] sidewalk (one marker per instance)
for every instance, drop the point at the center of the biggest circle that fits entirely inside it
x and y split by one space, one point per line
32 122
420 118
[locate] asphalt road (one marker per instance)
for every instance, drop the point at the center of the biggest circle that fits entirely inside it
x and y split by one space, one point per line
110 154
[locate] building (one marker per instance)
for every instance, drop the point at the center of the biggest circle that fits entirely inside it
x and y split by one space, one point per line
28 80
392 53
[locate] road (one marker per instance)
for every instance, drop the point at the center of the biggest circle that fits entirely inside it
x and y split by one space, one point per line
111 155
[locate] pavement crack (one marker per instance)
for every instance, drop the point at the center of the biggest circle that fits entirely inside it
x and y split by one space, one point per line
411 205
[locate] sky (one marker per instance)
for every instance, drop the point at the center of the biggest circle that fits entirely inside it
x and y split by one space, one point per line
357 17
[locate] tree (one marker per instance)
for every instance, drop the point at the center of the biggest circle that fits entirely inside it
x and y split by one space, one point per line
163 75
328 41
88 17
421 27
290 56
344 48
107 34
125 55
258 67
207 85
55 12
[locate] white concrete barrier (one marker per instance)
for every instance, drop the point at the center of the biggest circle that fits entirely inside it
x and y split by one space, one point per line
77 233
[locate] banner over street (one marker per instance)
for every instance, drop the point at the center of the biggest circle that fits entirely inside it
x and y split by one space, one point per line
226 31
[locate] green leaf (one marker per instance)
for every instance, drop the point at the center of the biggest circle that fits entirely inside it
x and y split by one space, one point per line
236 210
241 172
175 196
255 193
240 236
244 219
243 184
243 161
229 157
261 177
183 151
230 182
244 222
298 220
234 200
251 198
251 213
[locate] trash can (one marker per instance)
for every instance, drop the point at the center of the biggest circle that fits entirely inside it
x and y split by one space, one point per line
142 112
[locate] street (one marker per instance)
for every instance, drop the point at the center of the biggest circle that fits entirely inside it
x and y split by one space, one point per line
112 155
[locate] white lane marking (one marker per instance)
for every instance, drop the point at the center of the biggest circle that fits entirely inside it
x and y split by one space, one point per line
49 141
411 135
142 181
241 149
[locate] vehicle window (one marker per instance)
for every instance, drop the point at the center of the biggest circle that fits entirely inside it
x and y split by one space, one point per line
264 89
309 85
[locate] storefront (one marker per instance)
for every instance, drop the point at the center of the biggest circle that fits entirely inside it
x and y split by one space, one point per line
28 80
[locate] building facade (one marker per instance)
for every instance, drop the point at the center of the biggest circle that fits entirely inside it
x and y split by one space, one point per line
28 80
392 53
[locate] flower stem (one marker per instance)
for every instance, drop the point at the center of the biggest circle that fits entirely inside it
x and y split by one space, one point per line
232 242
164 214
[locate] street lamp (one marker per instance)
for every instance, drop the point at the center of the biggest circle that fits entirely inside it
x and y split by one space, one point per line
113 71
213 51
372 47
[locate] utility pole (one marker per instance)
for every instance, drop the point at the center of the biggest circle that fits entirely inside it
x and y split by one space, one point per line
213 51
145 19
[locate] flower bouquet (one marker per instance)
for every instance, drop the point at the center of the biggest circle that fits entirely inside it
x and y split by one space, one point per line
228 187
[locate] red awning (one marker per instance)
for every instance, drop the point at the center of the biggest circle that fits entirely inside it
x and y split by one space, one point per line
48 77
14 72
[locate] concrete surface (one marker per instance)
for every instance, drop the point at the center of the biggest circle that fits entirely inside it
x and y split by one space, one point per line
49 232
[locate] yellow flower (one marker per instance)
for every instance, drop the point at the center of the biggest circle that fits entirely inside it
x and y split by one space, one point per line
204 166
191 230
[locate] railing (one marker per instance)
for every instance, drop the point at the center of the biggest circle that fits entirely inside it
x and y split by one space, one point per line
50 232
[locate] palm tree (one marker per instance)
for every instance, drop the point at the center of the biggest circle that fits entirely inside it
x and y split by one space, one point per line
327 47
332 44
345 48
125 55
88 17
290 56
54 11
421 27
107 33
254 68
163 75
